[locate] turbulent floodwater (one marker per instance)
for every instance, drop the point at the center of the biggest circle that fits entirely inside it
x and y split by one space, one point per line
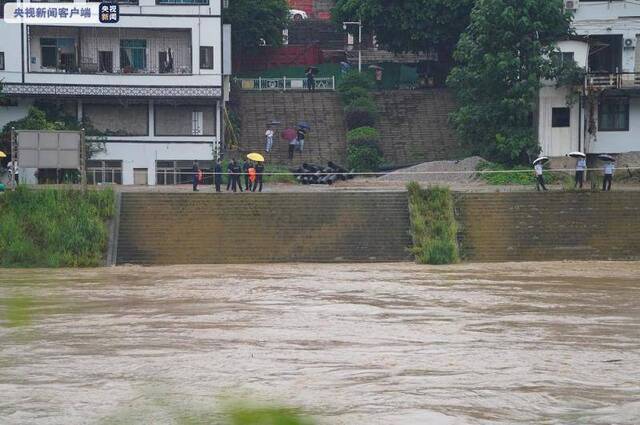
555 343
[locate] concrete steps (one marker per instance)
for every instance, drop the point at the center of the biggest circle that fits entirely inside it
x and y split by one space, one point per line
257 228
414 125
322 110
549 226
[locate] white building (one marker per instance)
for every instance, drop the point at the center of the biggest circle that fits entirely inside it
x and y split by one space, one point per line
605 117
151 84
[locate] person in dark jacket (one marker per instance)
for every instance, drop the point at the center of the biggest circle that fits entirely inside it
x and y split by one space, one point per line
236 173
245 172
217 178
301 133
259 173
230 173
196 176
311 79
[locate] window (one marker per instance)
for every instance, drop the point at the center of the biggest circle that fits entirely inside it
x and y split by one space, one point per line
58 53
613 115
197 118
562 58
206 57
1 61
560 117
104 172
105 61
133 55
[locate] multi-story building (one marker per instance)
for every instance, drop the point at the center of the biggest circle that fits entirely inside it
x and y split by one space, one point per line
151 84
603 116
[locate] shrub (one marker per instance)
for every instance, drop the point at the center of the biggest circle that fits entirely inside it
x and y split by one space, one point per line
362 112
351 94
355 79
364 156
517 175
433 226
363 134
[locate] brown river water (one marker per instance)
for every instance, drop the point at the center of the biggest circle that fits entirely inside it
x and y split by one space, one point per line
526 343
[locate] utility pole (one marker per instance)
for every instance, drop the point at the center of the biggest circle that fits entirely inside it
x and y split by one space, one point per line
359 24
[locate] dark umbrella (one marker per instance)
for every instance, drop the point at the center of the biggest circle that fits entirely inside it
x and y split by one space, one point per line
577 155
607 158
305 125
542 159
289 134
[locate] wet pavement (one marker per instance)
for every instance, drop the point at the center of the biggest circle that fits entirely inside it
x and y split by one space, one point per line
552 343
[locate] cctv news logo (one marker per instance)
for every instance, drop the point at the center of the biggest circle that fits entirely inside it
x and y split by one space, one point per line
61 13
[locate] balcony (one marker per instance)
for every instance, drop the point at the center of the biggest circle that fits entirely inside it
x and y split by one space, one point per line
108 51
612 81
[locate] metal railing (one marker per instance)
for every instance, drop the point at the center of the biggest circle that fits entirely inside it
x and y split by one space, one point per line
620 80
284 84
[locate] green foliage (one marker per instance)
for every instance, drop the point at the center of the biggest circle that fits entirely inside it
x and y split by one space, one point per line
409 25
433 225
362 103
364 156
354 79
363 134
267 416
502 175
252 21
358 117
352 94
284 175
54 228
503 56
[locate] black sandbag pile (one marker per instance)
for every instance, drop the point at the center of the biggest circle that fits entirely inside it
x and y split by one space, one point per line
315 174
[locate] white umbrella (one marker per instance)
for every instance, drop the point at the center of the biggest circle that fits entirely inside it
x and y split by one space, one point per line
542 159
607 158
577 155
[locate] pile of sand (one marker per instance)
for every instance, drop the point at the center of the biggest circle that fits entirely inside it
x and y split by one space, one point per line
462 171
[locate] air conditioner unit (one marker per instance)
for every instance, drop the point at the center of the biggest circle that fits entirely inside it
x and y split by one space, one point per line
571 4
629 43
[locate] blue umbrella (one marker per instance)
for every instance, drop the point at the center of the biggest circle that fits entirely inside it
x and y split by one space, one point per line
305 125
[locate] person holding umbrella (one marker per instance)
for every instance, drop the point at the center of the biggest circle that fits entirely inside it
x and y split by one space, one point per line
581 167
300 134
311 80
608 169
257 171
289 134
538 167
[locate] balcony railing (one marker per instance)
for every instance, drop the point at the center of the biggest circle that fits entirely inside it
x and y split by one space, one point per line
622 80
283 84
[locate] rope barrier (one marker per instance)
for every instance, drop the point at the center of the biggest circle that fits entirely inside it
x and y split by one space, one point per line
408 173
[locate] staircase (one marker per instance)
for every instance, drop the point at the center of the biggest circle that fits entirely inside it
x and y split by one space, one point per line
549 226
322 110
414 125
173 228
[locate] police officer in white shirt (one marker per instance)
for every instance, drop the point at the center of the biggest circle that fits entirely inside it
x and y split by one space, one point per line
581 167
539 177
608 170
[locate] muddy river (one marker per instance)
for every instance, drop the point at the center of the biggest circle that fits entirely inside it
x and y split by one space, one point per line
552 343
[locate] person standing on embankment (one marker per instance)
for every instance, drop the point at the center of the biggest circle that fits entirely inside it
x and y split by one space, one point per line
581 166
609 167
539 177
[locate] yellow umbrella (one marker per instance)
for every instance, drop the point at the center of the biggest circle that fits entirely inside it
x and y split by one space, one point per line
256 157
3 155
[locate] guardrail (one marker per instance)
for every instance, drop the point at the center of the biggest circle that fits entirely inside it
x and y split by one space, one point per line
621 80
284 84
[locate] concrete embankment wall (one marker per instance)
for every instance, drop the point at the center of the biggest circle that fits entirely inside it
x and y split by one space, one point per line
549 226
209 228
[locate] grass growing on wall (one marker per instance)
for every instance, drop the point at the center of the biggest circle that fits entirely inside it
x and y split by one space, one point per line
433 226
54 227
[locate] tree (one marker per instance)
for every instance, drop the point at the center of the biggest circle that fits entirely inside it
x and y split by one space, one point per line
410 25
502 58
254 22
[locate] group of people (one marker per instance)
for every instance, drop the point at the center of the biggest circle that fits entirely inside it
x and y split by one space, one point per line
581 168
252 172
295 144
